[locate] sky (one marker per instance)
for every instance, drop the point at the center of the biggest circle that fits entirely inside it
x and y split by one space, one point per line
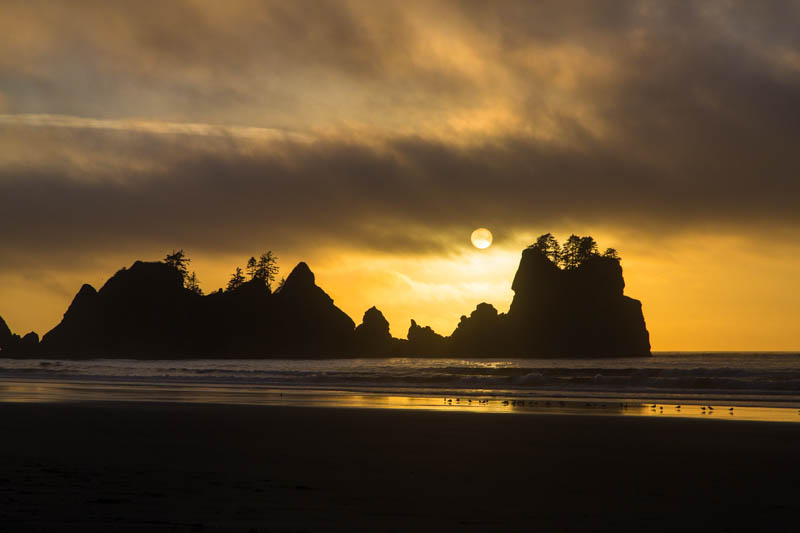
369 139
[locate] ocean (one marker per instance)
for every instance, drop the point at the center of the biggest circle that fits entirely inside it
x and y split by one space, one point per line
691 380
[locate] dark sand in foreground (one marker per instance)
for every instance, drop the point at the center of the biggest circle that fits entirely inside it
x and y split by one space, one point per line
191 467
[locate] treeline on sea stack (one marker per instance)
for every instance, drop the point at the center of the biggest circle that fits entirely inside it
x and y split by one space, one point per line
263 269
568 302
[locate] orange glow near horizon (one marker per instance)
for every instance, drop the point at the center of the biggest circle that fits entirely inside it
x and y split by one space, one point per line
708 293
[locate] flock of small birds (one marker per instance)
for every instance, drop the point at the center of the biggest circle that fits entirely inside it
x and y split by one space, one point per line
704 409
526 403
469 401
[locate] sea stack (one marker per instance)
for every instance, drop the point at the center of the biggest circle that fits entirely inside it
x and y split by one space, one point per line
308 323
372 337
574 312
140 311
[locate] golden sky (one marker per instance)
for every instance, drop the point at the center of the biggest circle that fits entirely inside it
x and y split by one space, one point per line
370 138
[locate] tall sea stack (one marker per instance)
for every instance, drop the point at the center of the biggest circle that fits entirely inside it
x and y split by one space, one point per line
578 312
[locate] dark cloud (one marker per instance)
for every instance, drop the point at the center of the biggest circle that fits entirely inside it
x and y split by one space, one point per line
367 194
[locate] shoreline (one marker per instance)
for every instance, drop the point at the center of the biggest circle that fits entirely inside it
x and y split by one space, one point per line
130 466
487 402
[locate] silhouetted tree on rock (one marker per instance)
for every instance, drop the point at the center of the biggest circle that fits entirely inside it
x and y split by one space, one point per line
237 280
266 268
193 284
575 251
251 267
586 248
549 246
179 261
569 253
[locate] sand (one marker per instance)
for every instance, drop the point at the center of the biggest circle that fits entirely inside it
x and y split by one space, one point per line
201 467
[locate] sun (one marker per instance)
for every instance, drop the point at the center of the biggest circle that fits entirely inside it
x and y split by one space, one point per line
481 238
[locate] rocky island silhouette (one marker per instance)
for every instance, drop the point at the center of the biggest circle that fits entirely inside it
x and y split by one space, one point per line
568 302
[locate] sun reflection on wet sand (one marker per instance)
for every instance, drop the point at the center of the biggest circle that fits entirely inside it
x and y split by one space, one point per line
77 391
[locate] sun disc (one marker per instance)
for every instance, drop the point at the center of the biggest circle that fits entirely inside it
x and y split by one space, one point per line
481 238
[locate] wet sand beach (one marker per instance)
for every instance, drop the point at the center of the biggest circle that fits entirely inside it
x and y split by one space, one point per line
102 466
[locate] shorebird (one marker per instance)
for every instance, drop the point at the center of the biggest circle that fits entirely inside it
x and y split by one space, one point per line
505 402
677 407
710 408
